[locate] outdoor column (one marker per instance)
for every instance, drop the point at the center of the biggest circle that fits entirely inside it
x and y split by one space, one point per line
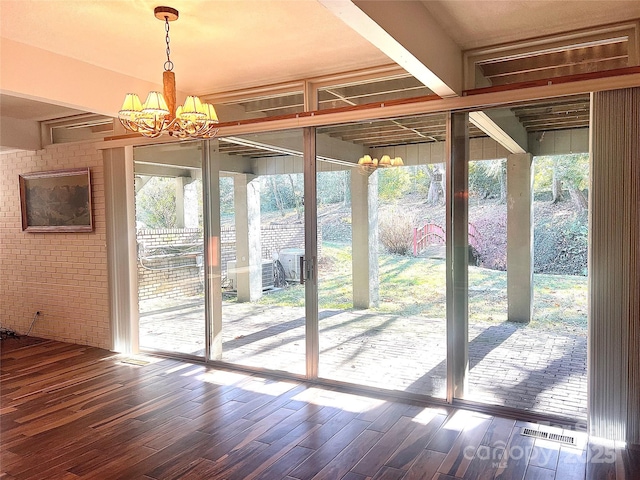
520 237
614 266
180 183
246 202
364 238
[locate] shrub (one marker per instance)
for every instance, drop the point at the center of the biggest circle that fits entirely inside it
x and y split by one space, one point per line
492 242
396 231
393 183
560 240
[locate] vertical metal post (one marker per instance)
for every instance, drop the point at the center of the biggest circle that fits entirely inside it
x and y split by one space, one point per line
457 240
212 251
310 253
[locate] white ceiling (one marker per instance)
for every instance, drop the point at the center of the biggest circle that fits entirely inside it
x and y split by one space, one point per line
222 45
474 24
216 45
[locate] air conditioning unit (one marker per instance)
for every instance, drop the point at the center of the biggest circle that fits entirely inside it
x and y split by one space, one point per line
290 260
267 274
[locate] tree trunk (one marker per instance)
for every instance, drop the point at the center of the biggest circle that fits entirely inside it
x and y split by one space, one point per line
578 198
556 185
295 197
436 189
276 195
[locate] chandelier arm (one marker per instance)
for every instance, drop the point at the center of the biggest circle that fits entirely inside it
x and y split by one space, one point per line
128 124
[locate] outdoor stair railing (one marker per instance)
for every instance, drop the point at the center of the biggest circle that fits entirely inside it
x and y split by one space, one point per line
434 234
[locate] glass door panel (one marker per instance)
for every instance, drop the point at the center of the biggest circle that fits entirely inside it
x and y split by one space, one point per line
262 241
490 332
381 256
528 277
169 234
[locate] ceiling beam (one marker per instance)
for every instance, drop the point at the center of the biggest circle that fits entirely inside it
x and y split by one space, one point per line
172 160
158 170
37 74
290 143
503 126
408 34
20 134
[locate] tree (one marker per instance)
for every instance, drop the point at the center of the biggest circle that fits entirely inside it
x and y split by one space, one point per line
156 203
488 179
226 195
435 195
333 187
570 171
276 194
296 197
393 183
556 182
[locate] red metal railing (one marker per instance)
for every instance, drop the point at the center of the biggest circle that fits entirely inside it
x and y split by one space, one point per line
434 234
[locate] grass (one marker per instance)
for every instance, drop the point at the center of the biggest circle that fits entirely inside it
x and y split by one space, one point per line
412 286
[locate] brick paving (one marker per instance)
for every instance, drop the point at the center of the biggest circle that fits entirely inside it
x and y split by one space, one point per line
526 367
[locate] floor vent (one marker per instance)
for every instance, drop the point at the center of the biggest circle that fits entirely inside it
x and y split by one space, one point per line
529 432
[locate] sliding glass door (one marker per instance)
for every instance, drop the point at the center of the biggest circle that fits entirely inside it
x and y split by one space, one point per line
232 230
527 288
169 235
262 241
382 308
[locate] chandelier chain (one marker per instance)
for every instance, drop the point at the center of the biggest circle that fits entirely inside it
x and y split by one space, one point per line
168 65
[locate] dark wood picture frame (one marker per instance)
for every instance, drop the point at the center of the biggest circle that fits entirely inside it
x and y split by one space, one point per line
56 201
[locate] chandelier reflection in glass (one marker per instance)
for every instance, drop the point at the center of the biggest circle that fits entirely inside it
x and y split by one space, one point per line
158 114
370 164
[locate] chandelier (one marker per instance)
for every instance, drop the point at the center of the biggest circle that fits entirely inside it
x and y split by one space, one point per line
370 164
158 114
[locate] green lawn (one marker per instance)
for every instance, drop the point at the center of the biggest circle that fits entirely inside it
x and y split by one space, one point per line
416 286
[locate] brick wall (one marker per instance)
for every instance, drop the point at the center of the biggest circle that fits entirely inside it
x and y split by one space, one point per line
62 275
228 247
168 263
277 237
168 259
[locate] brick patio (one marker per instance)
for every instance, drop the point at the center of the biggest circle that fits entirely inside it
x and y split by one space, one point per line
536 369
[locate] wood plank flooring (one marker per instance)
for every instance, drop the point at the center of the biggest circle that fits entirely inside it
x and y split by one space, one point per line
71 412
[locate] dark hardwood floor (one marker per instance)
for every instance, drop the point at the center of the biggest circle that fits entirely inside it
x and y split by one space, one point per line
70 412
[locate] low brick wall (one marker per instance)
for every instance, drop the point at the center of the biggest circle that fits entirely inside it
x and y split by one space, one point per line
169 263
169 260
